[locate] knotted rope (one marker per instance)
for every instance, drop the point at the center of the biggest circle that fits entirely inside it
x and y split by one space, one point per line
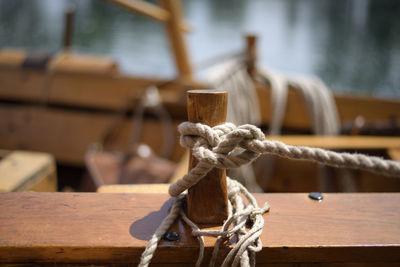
227 146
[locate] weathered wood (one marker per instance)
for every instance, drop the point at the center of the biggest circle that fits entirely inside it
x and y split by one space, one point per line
104 229
208 199
176 39
28 171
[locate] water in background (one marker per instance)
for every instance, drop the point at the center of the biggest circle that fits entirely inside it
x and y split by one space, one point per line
353 45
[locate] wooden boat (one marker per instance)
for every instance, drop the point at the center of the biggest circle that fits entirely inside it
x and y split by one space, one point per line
86 229
112 229
63 109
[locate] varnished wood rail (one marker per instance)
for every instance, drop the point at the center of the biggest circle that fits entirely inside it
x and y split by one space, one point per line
113 229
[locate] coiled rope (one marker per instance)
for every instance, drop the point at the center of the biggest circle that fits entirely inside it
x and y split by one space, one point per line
227 146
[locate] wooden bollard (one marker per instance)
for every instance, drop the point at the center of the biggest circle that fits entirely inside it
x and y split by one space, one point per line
208 199
251 54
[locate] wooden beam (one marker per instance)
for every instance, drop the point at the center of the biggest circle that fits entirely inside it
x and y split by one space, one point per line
88 90
105 229
149 10
176 39
207 200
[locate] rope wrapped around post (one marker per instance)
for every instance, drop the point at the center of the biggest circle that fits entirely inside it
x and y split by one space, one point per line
228 146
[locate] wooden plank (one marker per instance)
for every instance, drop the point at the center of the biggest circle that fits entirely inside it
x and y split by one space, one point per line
56 228
67 134
28 171
87 90
340 142
134 188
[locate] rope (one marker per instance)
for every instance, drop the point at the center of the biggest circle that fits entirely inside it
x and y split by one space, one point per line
239 217
318 98
161 230
227 146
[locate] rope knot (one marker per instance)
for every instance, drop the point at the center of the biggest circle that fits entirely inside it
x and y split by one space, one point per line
222 146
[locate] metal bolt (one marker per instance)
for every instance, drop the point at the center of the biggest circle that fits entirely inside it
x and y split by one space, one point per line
171 236
316 196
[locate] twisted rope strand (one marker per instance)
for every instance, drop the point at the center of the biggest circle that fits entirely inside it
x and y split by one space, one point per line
243 144
148 254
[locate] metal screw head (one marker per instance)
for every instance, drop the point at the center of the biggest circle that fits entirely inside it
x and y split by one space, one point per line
171 236
316 196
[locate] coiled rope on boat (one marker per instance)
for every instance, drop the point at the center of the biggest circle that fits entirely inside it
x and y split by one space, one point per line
228 146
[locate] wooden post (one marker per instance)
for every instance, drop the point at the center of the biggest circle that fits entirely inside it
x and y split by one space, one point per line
176 39
251 53
207 200
68 27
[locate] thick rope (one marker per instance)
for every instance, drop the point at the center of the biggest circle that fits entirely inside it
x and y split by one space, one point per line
239 217
161 230
228 146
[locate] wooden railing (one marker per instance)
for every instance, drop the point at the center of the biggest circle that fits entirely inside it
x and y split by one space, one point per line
103 229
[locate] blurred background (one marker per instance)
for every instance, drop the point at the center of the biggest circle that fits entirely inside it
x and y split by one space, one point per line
354 46
91 118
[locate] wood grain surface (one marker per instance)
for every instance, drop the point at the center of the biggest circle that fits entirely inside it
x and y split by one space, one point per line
208 199
92 228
